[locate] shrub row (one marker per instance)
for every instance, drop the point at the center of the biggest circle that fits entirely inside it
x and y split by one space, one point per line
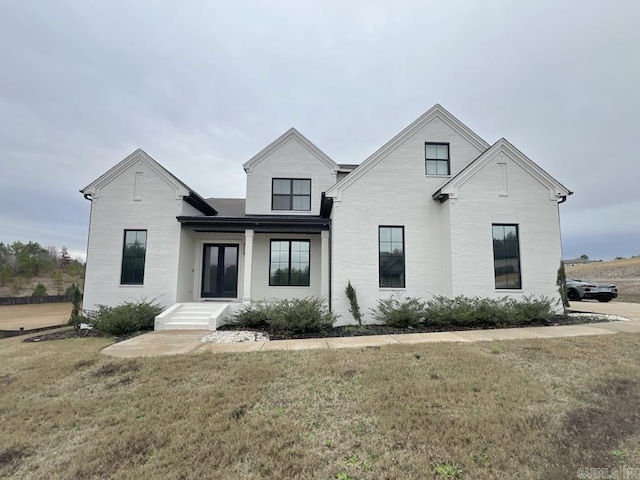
463 311
297 315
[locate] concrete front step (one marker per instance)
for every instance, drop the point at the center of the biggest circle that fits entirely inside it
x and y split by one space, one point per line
192 316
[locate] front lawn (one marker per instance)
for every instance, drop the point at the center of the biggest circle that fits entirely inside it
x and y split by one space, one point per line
534 409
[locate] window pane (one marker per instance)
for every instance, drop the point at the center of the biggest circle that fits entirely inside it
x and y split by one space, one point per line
432 168
281 186
301 203
302 187
281 202
391 257
443 152
432 151
506 256
385 234
289 264
133 257
442 168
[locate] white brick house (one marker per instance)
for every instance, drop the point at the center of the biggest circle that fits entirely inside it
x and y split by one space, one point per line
435 211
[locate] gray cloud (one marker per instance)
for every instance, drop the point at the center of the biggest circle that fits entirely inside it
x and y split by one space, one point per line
203 86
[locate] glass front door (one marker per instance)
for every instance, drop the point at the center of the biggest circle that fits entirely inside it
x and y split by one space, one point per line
220 270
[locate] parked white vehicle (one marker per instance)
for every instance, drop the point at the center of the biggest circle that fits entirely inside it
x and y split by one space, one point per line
578 290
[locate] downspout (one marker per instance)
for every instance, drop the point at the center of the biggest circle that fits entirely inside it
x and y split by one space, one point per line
87 196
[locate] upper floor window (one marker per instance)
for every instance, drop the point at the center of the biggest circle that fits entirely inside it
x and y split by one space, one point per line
291 194
437 158
506 256
133 255
391 256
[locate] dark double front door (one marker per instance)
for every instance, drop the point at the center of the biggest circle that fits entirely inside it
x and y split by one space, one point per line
220 270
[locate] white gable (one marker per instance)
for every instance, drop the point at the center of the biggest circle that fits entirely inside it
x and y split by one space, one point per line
406 150
291 156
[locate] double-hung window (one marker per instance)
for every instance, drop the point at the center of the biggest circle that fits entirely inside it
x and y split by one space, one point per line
506 256
437 158
391 256
289 263
291 194
133 256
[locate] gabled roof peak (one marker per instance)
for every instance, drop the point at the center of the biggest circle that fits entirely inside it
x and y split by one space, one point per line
281 140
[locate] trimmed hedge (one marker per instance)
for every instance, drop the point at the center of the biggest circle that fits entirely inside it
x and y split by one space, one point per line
289 316
463 311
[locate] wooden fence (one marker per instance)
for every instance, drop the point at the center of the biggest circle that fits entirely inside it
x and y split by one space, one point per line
32 300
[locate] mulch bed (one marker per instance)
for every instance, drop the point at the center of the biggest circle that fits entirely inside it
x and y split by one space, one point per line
346 331
365 330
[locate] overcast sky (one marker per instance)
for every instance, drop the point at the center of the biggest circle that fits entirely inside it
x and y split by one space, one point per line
202 86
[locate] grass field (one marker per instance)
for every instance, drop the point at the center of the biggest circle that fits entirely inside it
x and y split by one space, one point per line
536 409
625 274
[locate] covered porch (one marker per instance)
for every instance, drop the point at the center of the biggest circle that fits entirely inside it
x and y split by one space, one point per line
231 261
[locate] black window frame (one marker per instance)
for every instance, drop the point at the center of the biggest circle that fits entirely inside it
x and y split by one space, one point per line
517 284
404 260
124 268
289 241
290 195
427 159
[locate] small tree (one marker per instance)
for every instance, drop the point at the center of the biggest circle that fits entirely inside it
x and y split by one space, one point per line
65 258
354 309
561 282
76 299
584 257
39 291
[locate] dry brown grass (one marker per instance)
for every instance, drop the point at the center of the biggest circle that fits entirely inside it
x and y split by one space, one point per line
624 273
519 409
12 317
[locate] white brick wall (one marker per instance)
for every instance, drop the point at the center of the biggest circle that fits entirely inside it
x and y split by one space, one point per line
291 160
115 210
396 191
479 206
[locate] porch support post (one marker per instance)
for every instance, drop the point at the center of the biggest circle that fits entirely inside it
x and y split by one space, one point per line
248 262
324 264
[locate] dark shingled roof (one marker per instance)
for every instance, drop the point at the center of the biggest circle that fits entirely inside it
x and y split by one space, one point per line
228 207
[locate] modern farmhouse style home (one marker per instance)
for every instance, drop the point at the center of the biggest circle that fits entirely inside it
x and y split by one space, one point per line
435 211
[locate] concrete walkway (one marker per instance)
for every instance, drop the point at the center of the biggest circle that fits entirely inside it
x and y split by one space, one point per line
174 342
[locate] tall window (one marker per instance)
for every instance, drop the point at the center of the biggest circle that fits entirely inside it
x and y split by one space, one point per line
133 255
289 263
437 158
291 194
391 256
506 256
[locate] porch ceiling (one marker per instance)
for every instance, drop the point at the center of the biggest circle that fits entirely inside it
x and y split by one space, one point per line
259 224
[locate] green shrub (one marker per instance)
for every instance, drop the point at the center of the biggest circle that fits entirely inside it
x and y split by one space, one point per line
463 311
124 319
39 291
298 315
398 312
354 308
253 315
301 315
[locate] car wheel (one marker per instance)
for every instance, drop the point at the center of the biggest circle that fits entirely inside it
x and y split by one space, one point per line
573 295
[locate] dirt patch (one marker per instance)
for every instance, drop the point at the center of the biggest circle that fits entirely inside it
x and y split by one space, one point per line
10 458
63 334
111 369
592 432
